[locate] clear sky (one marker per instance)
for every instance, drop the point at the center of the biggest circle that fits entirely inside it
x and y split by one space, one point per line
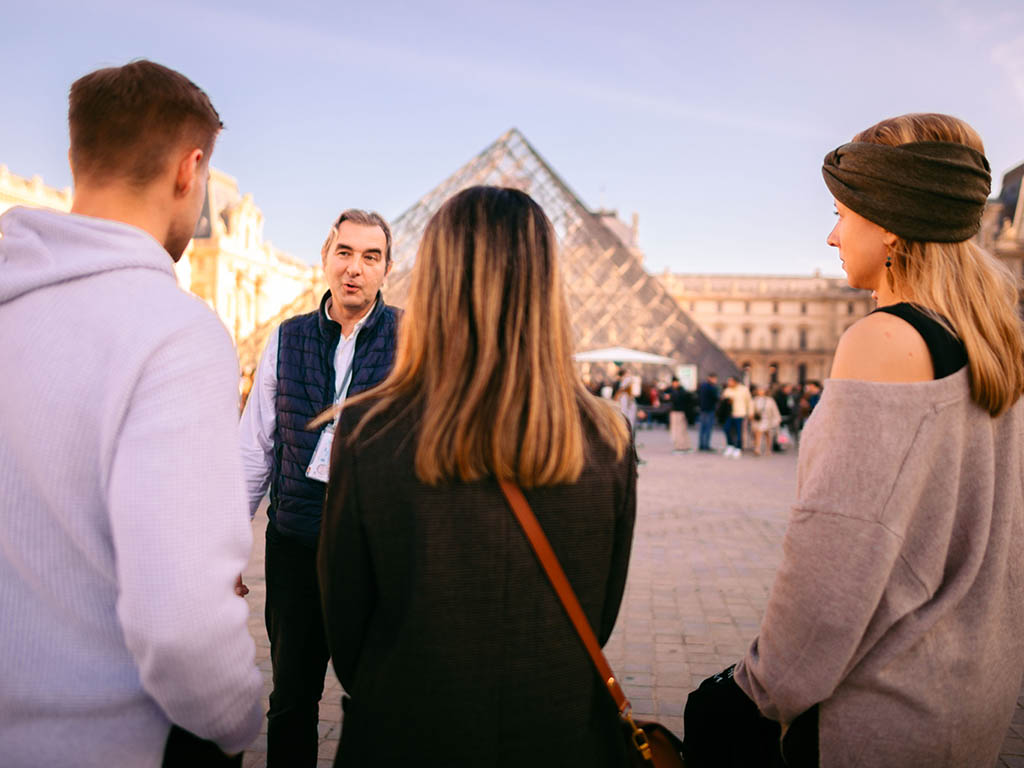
709 119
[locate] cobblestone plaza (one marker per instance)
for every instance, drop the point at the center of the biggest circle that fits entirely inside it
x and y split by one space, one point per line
707 543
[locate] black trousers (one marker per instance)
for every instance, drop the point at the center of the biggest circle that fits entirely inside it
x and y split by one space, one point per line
298 651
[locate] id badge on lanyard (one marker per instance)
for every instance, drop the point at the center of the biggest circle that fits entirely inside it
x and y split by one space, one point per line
320 465
321 462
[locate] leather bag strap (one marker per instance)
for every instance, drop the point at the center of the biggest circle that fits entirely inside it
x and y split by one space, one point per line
553 569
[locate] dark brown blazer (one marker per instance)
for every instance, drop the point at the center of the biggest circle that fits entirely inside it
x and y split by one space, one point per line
442 626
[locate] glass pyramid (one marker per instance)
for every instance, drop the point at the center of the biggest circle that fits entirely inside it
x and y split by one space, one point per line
614 301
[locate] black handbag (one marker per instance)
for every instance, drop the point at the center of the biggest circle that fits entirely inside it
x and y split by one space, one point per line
725 729
648 743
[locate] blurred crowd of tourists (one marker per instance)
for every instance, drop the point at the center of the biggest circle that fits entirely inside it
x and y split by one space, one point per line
758 419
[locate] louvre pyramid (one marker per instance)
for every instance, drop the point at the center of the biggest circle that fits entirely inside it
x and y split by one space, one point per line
614 302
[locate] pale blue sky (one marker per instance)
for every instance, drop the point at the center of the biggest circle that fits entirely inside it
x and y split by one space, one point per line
710 119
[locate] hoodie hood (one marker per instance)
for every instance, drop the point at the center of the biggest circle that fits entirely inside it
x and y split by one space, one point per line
40 248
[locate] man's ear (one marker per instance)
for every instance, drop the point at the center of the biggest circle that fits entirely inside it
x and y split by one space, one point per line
188 172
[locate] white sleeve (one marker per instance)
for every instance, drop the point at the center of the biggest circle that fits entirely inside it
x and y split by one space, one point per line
256 430
181 537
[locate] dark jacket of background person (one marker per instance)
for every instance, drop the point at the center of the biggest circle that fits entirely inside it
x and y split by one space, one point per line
681 399
786 403
305 388
707 395
442 625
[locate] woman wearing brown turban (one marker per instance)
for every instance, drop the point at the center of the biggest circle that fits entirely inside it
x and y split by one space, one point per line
894 633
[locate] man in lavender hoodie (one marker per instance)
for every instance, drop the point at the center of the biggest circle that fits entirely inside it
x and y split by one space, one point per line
123 522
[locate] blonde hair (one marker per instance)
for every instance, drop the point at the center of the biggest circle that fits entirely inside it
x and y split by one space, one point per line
960 283
485 350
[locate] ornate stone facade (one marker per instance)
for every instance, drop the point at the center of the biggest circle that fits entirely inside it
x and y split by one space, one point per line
787 328
1002 225
244 279
775 327
14 190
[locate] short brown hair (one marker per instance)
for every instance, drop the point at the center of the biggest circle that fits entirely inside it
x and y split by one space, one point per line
364 219
126 121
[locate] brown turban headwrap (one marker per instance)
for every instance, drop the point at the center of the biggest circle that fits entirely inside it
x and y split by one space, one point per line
933 191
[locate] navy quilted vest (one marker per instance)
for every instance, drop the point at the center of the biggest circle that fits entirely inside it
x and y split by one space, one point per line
305 388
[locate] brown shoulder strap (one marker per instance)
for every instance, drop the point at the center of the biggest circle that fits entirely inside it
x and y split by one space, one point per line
549 561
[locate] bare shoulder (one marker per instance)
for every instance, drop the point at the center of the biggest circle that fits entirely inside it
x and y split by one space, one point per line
882 347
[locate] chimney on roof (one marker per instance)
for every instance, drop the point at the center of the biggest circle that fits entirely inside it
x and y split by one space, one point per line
1018 215
635 230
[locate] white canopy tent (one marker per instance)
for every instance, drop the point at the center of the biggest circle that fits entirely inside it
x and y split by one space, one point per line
622 355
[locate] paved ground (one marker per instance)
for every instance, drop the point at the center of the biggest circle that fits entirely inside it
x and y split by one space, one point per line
708 541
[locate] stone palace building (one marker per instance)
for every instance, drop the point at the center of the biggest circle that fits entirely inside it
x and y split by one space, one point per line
1002 226
776 328
773 328
786 328
244 278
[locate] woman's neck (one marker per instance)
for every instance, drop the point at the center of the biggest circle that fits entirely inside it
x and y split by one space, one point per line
885 296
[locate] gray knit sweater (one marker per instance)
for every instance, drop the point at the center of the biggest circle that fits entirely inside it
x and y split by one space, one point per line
899 605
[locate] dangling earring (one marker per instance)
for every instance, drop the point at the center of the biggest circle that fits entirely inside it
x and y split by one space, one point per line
888 261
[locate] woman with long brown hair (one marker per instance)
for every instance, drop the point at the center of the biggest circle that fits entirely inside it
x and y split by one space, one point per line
894 633
450 643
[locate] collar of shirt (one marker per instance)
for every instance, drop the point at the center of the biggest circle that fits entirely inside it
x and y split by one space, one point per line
359 323
344 355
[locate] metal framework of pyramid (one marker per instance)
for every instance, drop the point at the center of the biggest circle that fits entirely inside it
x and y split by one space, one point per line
613 300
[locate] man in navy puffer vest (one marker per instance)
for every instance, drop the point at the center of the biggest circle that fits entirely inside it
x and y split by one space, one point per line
313 361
